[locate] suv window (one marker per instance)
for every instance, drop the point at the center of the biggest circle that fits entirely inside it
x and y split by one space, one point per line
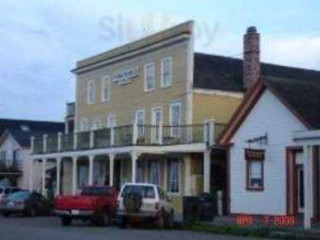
7 191
161 194
144 191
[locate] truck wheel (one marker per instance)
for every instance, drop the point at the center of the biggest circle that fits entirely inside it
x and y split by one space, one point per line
104 220
66 221
122 223
6 214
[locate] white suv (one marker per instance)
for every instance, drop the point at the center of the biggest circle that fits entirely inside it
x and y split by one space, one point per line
144 202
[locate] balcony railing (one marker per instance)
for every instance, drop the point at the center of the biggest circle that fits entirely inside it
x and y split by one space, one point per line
129 135
10 166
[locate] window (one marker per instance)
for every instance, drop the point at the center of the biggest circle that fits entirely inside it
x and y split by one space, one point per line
105 89
154 172
82 176
139 172
111 121
166 72
91 92
16 155
3 156
84 125
254 174
139 120
175 119
156 121
173 175
144 191
149 77
96 124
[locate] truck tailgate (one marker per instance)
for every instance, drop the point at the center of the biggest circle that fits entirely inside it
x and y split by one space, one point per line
75 202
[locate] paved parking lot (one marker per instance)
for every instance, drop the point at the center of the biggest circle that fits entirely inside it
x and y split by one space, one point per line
48 228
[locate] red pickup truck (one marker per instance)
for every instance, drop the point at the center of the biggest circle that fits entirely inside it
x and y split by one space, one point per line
95 204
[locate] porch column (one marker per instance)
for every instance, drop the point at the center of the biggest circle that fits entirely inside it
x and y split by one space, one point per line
134 157
74 175
43 177
31 175
206 171
187 182
307 183
111 169
91 159
58 184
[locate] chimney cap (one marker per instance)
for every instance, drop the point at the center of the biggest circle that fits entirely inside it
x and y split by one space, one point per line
252 29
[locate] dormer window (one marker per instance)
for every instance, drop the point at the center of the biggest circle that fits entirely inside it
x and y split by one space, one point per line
25 128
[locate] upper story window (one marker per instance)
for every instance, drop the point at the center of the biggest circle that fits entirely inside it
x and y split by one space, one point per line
105 89
149 76
111 121
96 124
140 119
84 125
16 155
91 92
175 119
166 72
3 156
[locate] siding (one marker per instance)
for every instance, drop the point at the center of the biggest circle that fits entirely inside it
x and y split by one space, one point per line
268 116
126 99
209 106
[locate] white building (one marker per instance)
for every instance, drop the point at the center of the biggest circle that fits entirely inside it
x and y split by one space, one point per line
15 150
271 169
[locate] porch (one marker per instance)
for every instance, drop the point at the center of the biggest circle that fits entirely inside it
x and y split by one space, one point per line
175 158
310 140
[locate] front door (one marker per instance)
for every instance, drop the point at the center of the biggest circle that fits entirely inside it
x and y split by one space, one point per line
300 189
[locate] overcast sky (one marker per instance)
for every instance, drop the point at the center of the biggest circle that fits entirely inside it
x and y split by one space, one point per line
40 41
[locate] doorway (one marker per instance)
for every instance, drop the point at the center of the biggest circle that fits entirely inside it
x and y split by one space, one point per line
300 189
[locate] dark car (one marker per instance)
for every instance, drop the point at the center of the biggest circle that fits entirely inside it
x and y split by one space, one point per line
25 202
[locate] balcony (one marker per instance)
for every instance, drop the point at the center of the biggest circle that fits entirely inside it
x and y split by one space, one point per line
128 135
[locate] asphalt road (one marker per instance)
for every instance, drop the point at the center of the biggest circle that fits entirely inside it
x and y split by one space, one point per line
48 228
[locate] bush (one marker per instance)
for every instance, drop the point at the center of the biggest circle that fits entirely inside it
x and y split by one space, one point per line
255 231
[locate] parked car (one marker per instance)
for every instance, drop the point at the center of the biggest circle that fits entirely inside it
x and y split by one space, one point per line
25 202
95 204
144 202
5 191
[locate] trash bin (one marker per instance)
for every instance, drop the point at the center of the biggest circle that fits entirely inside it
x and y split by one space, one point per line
190 209
207 207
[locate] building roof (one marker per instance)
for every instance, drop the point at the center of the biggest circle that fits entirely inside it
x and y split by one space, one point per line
226 73
22 130
301 96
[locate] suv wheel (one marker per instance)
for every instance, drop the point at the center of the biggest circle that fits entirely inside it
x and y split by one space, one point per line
160 222
170 220
66 221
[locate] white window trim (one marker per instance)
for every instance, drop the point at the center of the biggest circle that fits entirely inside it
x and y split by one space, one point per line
162 72
93 122
88 91
136 115
84 122
108 119
180 178
153 122
170 116
105 81
145 76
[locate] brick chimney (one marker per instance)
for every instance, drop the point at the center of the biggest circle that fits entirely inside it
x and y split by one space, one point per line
251 57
